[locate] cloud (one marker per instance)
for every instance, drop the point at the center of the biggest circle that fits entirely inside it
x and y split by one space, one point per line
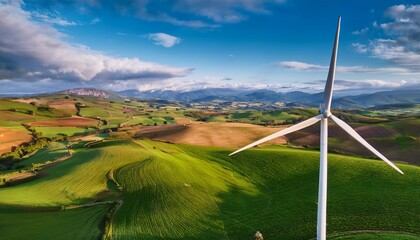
188 13
361 48
33 51
343 87
95 21
361 31
51 18
401 44
164 39
301 66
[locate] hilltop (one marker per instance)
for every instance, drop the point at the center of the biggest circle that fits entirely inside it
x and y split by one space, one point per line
94 92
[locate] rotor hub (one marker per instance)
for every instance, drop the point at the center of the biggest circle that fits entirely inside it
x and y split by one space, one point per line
325 113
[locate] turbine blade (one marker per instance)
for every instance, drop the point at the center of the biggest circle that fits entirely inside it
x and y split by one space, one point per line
282 132
356 136
331 73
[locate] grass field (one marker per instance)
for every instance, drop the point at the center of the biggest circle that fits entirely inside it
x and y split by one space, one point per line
76 180
69 131
176 191
82 223
53 151
370 236
257 191
180 191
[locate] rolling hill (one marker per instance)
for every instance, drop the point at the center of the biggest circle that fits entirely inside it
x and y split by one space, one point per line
170 191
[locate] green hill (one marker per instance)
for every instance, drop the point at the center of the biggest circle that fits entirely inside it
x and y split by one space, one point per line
184 192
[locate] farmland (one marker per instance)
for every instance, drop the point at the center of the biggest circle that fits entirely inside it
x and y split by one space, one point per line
272 189
121 177
82 223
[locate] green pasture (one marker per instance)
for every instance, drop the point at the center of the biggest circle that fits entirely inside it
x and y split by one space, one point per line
81 223
188 192
26 108
273 190
52 152
69 131
379 235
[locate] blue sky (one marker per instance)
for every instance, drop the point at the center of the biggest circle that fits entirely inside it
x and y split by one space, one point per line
282 45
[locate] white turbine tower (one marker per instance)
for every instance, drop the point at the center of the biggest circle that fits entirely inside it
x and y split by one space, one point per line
323 117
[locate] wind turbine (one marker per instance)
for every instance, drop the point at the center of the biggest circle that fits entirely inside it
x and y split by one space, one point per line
323 117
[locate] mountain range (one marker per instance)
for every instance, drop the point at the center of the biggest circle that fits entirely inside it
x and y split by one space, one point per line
295 97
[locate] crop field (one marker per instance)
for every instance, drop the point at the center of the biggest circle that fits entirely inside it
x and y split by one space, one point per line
53 151
38 223
69 131
149 189
375 235
398 140
201 193
67 122
210 134
76 180
12 136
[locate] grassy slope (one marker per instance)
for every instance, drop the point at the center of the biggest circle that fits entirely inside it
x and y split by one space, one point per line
176 191
382 236
82 223
76 180
6 104
53 151
274 191
179 196
69 131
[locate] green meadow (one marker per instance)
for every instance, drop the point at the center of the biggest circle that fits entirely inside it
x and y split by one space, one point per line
184 192
81 223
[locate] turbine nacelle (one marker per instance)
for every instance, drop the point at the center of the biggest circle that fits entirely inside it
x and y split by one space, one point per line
325 112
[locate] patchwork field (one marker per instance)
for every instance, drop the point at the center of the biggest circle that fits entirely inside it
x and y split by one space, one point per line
397 140
175 180
181 191
67 122
210 134
10 137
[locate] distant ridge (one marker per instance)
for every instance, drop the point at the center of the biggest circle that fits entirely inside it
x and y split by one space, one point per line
290 99
294 98
94 92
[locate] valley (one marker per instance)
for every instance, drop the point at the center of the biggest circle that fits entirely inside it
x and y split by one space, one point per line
131 169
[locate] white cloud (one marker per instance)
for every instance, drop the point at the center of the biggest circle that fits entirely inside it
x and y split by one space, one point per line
361 31
361 48
50 18
164 39
95 21
401 46
188 13
33 51
301 66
